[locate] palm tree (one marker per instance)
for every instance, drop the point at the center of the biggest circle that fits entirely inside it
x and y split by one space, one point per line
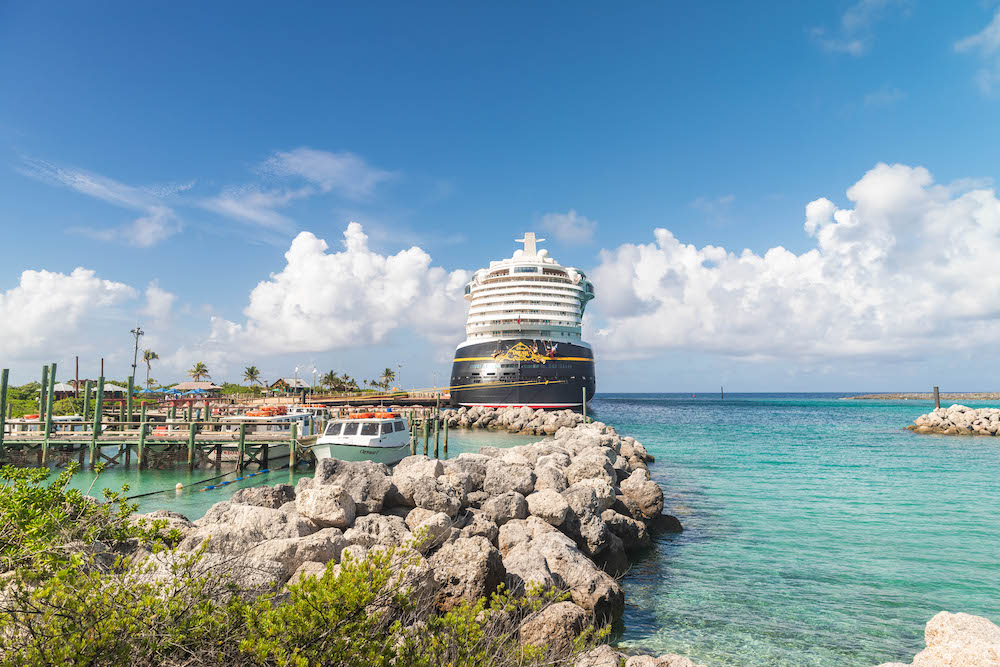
199 371
251 375
148 357
331 380
388 376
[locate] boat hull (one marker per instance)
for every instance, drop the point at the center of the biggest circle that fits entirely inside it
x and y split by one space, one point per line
522 372
386 455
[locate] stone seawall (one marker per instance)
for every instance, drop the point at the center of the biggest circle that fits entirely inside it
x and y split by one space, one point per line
959 420
566 512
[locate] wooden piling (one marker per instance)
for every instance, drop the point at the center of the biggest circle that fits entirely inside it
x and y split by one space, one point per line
241 447
48 413
121 416
131 391
424 423
142 439
44 389
413 438
446 438
98 410
437 437
191 437
292 446
3 406
86 401
584 405
937 398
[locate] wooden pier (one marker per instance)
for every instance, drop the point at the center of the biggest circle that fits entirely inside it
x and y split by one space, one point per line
148 441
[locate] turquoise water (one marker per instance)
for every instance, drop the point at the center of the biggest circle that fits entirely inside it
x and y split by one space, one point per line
193 502
818 532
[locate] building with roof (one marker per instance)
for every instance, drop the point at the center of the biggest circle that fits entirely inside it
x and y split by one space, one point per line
208 387
289 386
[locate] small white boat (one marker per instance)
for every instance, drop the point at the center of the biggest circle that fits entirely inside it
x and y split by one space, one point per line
383 437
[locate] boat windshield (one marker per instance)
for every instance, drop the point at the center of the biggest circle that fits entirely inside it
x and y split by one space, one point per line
334 429
369 428
351 428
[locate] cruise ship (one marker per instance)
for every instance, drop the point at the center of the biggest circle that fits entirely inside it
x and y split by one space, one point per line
523 336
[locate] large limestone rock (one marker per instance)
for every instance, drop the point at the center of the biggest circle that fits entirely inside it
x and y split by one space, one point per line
292 552
552 559
501 509
521 531
307 569
482 526
646 493
472 464
368 483
436 495
602 656
632 533
250 572
234 529
502 476
548 506
556 627
329 506
959 640
376 529
467 569
264 496
550 477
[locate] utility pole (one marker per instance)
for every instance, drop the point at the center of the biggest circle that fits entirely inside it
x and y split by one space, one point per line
137 332
399 376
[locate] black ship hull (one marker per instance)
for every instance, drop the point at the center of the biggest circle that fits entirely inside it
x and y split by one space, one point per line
536 373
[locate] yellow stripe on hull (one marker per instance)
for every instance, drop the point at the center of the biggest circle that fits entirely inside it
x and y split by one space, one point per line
546 361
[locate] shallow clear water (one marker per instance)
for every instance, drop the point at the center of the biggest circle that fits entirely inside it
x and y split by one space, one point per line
817 531
193 501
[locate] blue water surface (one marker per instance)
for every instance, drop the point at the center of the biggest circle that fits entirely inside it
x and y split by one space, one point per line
817 530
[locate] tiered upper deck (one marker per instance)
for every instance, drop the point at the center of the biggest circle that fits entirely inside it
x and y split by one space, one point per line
529 295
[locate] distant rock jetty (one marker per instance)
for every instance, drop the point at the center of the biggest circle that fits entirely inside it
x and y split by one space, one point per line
926 396
959 420
566 512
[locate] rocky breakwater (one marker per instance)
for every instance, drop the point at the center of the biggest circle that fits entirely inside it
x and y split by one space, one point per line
565 512
522 420
959 420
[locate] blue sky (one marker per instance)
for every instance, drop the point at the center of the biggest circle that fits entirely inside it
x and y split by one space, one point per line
228 129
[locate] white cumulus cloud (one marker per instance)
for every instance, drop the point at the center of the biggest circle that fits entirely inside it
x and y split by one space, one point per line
569 227
47 310
323 300
159 302
856 32
907 270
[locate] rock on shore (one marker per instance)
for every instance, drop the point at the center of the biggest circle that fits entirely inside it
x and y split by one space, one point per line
565 512
959 420
957 640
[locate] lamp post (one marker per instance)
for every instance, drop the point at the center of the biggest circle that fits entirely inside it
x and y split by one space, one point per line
137 332
399 376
